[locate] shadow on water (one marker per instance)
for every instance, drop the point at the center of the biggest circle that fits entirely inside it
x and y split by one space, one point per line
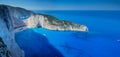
36 45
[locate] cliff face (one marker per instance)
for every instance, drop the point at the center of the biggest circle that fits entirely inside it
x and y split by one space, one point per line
32 20
14 19
7 32
52 23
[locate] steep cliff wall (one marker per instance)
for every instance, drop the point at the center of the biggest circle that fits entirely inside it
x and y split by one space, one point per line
7 32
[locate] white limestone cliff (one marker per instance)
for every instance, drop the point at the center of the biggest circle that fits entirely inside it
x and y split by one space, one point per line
52 23
14 19
32 20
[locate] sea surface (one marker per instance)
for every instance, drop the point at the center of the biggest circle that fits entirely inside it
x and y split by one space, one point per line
102 40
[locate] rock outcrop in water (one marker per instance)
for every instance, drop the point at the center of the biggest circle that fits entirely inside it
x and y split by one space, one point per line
14 19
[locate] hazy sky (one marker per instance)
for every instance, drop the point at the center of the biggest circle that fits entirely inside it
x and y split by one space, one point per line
65 4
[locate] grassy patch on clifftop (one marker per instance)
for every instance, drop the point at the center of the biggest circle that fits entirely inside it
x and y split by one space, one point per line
53 19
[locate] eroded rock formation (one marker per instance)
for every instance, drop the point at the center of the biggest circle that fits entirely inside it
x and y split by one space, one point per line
14 19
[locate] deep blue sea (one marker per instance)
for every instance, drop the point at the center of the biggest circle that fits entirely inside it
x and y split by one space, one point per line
102 40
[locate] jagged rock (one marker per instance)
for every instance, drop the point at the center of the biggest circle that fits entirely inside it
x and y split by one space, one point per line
3 49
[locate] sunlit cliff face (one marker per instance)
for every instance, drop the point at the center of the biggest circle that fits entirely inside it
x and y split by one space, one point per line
84 28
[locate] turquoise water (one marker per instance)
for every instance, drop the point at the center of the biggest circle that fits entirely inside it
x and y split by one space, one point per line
102 40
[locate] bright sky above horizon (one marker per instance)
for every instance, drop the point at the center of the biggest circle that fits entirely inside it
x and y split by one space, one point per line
64 4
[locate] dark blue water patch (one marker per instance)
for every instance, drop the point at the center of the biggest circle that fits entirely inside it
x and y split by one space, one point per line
35 45
86 35
80 35
64 42
97 44
73 51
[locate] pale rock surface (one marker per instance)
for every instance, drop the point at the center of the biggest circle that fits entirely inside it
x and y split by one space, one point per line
15 19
